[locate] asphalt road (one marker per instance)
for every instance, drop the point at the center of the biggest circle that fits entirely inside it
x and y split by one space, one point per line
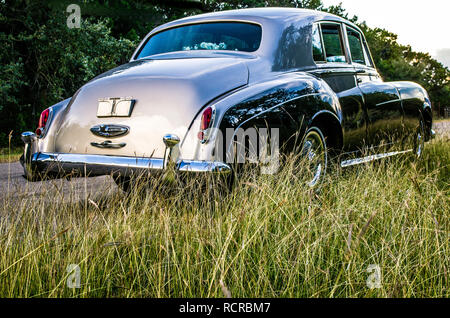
13 185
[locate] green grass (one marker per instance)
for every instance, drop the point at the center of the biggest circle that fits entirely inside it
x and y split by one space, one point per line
441 120
269 237
10 155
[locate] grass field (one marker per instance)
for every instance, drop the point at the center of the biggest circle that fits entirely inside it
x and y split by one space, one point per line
10 155
269 237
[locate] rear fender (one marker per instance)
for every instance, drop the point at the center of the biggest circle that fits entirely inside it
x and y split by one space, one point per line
46 143
288 102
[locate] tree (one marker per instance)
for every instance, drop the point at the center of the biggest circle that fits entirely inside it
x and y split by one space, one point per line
43 61
397 62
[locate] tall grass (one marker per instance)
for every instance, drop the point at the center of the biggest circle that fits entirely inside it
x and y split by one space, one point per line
268 237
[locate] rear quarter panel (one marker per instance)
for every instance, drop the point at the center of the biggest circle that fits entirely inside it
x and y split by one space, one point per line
415 102
288 102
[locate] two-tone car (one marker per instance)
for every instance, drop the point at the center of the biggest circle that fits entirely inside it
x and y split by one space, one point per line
198 88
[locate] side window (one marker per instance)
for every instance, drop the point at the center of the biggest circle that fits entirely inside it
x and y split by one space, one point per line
318 52
356 46
334 51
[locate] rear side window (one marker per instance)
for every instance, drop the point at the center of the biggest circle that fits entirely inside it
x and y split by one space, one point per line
356 46
318 51
332 41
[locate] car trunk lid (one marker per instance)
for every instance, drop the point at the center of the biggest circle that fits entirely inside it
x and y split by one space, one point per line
168 94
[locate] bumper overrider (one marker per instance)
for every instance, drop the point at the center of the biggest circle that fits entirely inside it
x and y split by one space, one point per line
38 165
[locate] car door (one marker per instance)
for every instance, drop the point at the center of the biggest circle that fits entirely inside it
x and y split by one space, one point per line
334 67
382 100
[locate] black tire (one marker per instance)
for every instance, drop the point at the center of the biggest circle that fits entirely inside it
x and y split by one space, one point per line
123 183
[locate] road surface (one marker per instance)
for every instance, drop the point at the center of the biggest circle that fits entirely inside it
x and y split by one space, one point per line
13 186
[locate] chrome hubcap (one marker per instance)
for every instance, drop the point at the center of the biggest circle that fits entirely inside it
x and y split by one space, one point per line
314 152
419 144
420 141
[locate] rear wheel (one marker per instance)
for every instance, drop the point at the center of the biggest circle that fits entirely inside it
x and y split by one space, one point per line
314 150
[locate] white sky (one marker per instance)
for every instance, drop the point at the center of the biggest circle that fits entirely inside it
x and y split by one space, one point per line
423 24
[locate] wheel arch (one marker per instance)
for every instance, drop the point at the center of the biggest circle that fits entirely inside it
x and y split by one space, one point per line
331 127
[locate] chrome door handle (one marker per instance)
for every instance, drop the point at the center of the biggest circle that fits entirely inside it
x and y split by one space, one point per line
108 144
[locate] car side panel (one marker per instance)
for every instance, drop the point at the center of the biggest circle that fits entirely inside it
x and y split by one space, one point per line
384 110
414 101
354 116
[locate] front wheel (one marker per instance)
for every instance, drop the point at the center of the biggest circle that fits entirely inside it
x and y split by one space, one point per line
419 141
315 154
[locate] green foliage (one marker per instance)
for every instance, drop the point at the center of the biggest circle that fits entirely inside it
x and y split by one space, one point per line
397 62
43 61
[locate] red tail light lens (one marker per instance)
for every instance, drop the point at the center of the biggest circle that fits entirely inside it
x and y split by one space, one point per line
205 123
42 121
206 119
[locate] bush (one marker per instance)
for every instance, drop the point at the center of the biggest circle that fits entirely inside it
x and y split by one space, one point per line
46 62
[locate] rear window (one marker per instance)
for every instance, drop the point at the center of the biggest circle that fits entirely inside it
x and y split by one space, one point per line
228 36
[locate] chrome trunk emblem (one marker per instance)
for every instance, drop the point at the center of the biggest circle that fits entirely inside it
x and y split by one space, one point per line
115 107
107 130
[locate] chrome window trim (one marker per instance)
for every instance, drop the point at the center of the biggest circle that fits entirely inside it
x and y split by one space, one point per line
367 54
317 24
347 27
342 40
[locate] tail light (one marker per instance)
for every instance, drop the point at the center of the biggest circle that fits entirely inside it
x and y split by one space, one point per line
43 122
205 124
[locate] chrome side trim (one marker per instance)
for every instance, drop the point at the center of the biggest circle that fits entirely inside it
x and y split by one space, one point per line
389 101
358 161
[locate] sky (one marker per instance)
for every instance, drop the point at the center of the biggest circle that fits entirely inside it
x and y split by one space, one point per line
423 24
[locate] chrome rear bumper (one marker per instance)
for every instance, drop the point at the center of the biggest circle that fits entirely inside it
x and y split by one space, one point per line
39 164
101 164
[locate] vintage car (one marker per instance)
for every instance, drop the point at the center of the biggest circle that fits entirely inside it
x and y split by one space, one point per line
305 76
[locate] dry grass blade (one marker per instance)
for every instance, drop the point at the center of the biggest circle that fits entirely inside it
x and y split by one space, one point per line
226 292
